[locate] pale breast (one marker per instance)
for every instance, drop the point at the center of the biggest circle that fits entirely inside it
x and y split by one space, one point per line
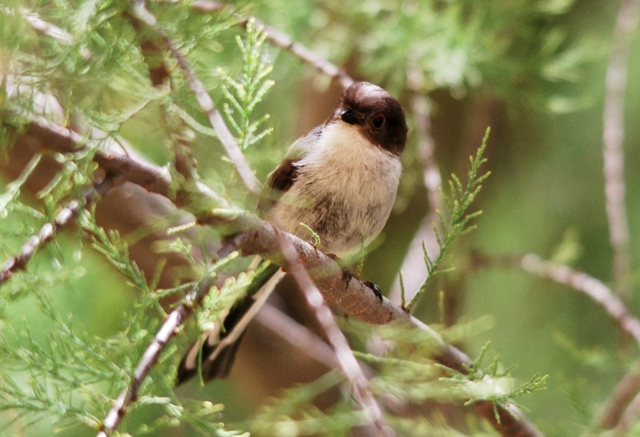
344 191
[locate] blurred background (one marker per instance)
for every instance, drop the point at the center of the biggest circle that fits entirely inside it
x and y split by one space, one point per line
534 72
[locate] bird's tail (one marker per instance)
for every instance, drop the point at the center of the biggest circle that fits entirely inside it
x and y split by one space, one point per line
214 356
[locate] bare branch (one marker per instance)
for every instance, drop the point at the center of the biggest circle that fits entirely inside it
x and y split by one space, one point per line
613 136
297 335
629 417
168 329
206 103
122 166
589 285
281 39
346 359
622 396
48 231
46 28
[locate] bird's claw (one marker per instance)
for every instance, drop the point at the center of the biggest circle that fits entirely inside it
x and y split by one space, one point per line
347 276
376 290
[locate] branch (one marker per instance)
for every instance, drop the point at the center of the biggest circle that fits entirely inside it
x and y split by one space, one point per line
122 166
48 231
344 354
47 28
281 39
151 355
622 396
302 338
254 236
206 103
589 285
297 335
629 417
613 136
624 392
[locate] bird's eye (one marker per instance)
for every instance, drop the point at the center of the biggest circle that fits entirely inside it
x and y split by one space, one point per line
377 121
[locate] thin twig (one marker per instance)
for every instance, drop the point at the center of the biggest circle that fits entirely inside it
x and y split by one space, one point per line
613 137
48 231
206 103
339 343
589 285
623 394
47 28
281 39
304 53
629 417
297 335
35 242
168 329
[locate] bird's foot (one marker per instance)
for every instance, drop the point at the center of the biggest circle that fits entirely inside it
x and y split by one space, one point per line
347 276
376 290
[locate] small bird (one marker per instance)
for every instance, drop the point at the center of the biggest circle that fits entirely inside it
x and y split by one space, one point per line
340 180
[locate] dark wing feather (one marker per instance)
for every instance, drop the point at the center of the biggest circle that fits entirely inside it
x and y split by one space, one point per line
282 178
279 182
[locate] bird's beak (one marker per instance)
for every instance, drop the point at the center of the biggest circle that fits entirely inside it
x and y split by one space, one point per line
348 116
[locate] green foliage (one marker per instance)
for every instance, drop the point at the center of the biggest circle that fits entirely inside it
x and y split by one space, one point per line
492 383
12 190
293 414
63 371
73 376
92 63
115 250
520 49
457 202
245 92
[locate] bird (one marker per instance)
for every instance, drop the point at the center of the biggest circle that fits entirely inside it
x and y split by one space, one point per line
340 180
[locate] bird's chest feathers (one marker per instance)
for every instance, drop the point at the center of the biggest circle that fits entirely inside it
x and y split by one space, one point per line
347 185
345 165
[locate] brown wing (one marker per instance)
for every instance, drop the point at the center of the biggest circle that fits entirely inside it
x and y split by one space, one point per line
283 177
279 182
